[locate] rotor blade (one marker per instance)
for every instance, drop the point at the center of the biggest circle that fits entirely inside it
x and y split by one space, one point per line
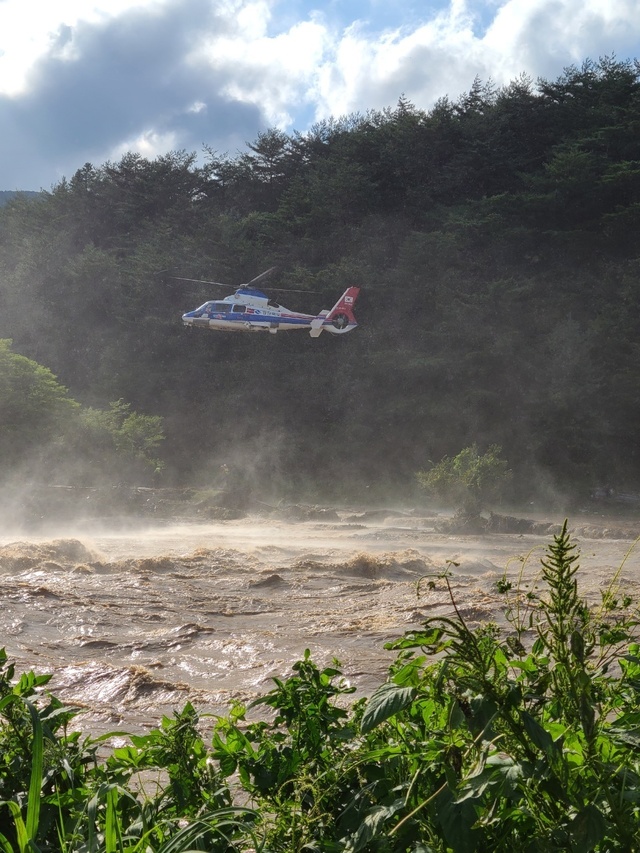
291 290
260 277
201 281
239 287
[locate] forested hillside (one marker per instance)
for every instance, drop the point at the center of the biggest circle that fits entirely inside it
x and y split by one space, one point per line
497 242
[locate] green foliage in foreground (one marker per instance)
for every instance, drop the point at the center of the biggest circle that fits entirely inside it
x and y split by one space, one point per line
526 740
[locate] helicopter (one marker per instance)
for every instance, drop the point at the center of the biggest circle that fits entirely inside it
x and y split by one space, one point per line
251 310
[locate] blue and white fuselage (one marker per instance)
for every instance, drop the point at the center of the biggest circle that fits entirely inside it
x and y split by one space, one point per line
250 310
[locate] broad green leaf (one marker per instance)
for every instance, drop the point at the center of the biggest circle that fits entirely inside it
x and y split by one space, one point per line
6 700
627 736
539 735
498 770
476 785
228 764
413 639
410 673
457 820
387 701
588 828
371 826
457 718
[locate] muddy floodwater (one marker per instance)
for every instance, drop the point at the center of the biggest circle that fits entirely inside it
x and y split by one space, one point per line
137 621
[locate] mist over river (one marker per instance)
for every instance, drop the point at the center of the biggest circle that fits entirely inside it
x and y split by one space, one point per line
135 622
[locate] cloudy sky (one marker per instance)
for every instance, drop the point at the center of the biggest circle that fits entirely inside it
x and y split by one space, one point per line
88 80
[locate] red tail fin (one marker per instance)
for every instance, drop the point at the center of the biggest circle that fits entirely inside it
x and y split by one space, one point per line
344 305
340 319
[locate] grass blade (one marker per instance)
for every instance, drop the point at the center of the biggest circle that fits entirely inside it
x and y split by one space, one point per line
111 822
35 785
21 830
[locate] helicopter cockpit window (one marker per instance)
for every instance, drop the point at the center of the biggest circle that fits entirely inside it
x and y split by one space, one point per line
239 309
203 308
220 307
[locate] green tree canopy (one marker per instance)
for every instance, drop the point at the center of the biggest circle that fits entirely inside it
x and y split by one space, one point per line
46 434
35 409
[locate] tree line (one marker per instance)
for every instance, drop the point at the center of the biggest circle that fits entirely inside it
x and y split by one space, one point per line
496 241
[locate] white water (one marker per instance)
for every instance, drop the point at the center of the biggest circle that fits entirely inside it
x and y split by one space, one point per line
132 624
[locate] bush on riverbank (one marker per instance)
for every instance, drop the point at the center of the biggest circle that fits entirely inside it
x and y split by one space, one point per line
480 740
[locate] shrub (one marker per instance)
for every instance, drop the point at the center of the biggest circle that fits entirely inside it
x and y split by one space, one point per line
467 480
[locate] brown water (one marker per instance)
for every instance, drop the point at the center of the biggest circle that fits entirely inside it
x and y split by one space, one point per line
134 623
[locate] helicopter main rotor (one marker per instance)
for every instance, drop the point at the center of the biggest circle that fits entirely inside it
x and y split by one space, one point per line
251 283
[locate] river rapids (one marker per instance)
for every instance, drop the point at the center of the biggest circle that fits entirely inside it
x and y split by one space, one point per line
133 623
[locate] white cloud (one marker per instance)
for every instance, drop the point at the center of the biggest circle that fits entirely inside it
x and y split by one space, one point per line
83 77
547 32
272 72
149 144
350 68
341 70
31 30
366 72
443 55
